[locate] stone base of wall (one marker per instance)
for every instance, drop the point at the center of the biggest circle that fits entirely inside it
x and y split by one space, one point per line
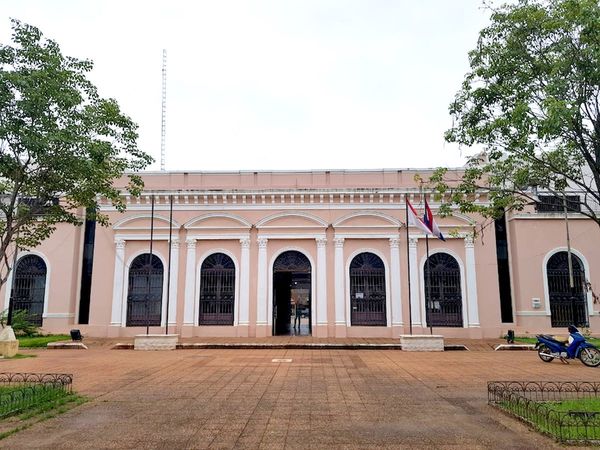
422 342
155 341
8 349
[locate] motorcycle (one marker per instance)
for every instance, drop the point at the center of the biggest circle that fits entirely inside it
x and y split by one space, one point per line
549 348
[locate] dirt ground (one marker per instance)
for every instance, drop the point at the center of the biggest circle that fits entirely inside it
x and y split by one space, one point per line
286 399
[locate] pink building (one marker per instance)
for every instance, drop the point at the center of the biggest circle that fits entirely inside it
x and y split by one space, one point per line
317 252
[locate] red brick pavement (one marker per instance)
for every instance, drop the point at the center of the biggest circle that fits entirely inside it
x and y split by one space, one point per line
321 399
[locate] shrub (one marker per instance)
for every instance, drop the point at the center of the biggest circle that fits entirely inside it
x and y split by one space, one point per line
20 323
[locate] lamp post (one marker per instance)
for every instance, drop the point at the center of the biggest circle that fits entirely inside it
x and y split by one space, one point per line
570 260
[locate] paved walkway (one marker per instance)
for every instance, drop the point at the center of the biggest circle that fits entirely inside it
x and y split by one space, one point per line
320 399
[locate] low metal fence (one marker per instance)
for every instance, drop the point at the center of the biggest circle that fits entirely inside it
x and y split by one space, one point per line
535 402
19 391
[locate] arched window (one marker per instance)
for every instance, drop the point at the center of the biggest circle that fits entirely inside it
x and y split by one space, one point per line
144 297
566 307
442 291
367 290
29 287
217 290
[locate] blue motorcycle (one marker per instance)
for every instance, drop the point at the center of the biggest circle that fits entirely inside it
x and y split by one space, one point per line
549 348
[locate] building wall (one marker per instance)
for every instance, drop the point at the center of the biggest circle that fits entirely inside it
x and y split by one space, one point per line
330 217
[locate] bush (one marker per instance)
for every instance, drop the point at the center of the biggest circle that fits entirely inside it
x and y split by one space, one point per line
20 323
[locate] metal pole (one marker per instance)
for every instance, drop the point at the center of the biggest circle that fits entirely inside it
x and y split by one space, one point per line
570 260
408 266
429 299
11 300
150 265
169 263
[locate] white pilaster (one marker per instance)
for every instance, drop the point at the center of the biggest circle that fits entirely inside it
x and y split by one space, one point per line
340 306
415 305
190 283
244 314
471 275
261 283
174 278
321 281
395 282
118 280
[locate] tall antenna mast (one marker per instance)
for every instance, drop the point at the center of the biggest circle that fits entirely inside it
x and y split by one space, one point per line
163 122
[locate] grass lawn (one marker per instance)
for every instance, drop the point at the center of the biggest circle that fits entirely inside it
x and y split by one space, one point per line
41 341
579 404
567 420
533 340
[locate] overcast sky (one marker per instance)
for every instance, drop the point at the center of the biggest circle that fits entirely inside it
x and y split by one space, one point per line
302 84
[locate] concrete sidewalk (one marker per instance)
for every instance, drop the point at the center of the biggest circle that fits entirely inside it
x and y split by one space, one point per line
286 399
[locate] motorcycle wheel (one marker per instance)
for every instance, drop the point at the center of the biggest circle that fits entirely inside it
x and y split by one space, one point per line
590 356
544 349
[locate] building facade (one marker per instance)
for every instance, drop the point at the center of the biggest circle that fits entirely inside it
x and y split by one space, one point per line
324 253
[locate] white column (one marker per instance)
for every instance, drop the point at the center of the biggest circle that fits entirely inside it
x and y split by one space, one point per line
190 283
415 305
340 304
261 283
473 310
174 281
321 281
395 282
117 303
244 315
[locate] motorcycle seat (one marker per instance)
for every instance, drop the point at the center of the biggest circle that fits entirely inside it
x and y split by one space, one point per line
551 338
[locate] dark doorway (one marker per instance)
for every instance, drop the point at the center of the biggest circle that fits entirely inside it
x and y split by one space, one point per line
567 306
292 295
29 288
144 295
442 291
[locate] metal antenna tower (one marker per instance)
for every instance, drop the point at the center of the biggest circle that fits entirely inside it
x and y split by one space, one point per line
163 121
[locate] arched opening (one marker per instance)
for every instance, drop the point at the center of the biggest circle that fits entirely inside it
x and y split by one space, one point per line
567 306
29 288
145 289
367 290
291 294
442 291
217 290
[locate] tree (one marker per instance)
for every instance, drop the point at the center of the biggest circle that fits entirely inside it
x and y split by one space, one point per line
61 144
530 101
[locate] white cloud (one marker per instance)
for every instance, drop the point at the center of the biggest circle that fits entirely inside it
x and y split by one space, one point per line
265 85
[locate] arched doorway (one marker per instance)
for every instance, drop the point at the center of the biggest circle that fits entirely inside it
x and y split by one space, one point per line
367 290
442 291
144 294
217 290
292 294
29 288
566 307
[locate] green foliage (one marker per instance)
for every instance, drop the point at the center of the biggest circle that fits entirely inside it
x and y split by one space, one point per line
531 102
20 323
61 144
41 341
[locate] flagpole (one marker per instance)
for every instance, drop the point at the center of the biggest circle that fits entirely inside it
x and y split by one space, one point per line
408 266
169 263
150 265
429 300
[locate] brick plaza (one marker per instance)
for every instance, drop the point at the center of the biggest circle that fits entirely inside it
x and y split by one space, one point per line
319 399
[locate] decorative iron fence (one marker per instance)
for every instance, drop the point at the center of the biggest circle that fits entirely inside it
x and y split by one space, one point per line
537 403
19 391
